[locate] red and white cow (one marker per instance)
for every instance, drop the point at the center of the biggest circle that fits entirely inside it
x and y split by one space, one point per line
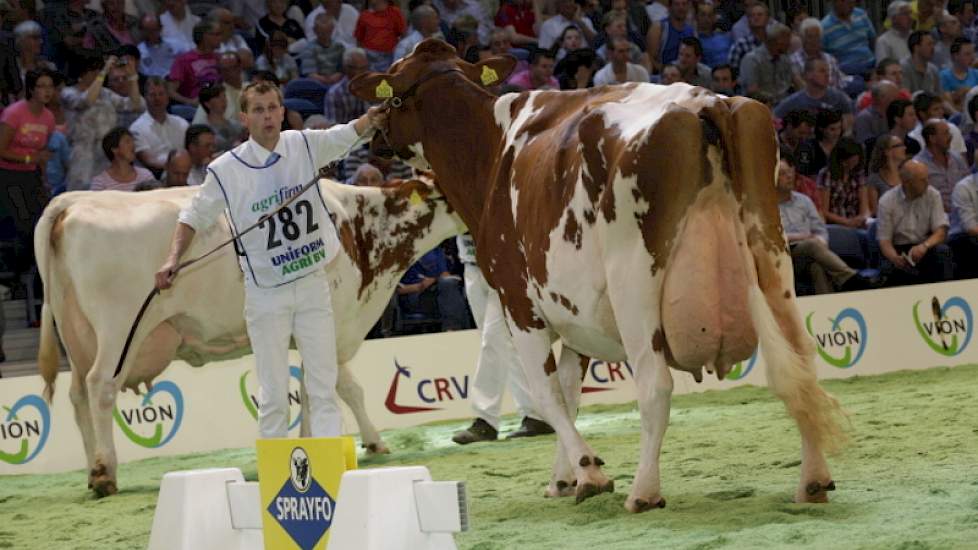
634 222
97 253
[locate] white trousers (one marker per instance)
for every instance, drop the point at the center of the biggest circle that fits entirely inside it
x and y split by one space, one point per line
498 362
301 309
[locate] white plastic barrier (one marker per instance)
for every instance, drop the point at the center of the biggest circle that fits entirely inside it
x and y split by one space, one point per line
413 380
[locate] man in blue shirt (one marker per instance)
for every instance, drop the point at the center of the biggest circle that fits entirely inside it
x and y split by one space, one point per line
428 287
848 34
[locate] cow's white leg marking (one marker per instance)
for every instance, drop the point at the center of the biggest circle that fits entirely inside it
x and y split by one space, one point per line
562 480
78 393
351 393
102 392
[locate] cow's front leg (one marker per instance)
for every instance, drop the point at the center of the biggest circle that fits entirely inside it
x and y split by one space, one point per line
570 370
540 368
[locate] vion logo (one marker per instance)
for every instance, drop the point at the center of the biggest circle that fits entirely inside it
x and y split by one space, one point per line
606 373
156 419
425 390
24 429
250 398
948 331
842 340
742 369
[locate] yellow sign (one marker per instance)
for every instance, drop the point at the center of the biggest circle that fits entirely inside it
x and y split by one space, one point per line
299 480
488 75
384 90
415 199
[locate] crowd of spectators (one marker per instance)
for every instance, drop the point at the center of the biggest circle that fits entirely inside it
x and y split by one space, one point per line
876 118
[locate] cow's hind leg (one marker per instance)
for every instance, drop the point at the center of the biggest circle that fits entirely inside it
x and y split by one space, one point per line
103 389
351 393
563 482
541 375
78 393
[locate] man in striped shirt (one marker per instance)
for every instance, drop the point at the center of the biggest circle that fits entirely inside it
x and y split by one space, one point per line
848 34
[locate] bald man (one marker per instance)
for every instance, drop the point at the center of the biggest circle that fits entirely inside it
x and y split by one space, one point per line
368 175
871 123
912 229
178 165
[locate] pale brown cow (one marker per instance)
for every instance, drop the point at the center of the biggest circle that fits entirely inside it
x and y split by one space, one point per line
633 222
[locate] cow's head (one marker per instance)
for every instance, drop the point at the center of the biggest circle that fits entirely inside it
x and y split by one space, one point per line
432 63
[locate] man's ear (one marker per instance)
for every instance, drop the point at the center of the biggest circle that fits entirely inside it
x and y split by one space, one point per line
492 71
376 87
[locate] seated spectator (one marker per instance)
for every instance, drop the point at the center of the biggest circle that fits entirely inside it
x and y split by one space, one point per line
427 287
842 185
390 168
813 155
948 30
499 44
199 143
944 167
757 19
960 77
971 140
797 127
929 107
193 69
848 34
871 123
276 58
367 175
576 71
670 75
463 35
638 26
665 35
811 48
808 239
902 119
888 154
345 16
178 166
27 42
919 74
340 105
425 23
519 18
121 175
276 20
571 39
912 229
766 69
378 30
156 53
111 31
964 10
886 69
693 72
620 70
540 74
657 10
925 14
56 169
963 237
716 43
92 111
724 80
231 42
816 94
892 44
568 13
615 26
157 132
125 83
179 24
322 58
451 11
227 133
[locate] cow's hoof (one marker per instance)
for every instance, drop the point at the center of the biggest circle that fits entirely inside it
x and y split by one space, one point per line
104 487
561 488
377 449
588 490
814 492
639 505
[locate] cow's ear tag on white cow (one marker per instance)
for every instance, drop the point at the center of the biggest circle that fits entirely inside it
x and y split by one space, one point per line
489 75
415 198
384 90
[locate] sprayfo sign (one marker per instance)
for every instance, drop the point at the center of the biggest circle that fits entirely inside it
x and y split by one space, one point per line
248 390
24 429
947 327
155 419
841 340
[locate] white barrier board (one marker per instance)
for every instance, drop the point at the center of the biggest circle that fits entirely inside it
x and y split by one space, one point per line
413 380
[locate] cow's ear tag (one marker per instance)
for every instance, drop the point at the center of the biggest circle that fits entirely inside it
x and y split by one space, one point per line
489 75
384 90
415 198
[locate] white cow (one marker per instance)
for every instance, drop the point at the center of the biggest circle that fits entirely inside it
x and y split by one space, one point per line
97 253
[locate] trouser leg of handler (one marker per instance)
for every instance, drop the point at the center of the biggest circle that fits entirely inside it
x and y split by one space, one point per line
315 336
268 314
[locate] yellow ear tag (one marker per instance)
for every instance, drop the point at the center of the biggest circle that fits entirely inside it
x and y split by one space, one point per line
384 90
415 198
488 75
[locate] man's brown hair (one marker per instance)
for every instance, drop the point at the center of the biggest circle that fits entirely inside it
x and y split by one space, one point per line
259 88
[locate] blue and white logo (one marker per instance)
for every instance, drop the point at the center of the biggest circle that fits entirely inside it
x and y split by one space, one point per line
302 507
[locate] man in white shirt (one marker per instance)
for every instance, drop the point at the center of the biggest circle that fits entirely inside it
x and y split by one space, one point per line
452 10
199 142
345 16
157 132
230 41
425 24
286 289
620 70
178 24
568 14
156 53
892 44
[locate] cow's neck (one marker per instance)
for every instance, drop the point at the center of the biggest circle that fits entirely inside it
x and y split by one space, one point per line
462 142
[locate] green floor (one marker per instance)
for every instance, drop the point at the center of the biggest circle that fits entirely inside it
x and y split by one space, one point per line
730 464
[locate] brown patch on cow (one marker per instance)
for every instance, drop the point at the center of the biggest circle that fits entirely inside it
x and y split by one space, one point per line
550 366
658 340
777 264
787 294
585 461
565 302
589 217
517 105
585 362
573 232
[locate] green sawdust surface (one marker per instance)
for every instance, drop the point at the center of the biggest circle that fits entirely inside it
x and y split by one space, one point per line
909 479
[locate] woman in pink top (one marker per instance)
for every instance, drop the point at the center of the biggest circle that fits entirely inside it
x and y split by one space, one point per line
25 128
121 175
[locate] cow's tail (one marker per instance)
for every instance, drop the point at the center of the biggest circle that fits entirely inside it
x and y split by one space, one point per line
48 356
